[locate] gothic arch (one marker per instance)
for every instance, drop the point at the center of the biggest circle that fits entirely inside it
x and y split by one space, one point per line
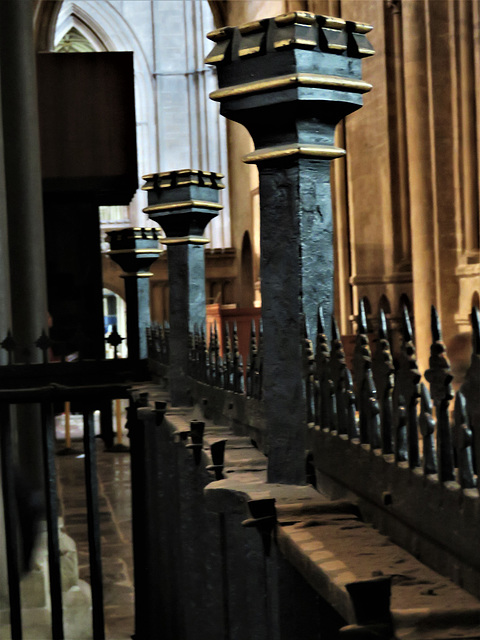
106 25
45 14
108 30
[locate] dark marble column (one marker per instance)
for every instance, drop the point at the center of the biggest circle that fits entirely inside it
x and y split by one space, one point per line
183 203
5 313
289 80
26 247
23 176
135 249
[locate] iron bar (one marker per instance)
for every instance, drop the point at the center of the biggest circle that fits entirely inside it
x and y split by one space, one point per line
51 512
91 482
11 521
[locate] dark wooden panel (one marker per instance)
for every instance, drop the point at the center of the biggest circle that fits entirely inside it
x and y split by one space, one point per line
87 125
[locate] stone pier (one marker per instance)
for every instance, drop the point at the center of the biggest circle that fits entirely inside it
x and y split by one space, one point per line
183 203
134 250
289 80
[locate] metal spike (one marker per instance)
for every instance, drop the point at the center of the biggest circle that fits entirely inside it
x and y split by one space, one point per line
320 320
382 325
463 441
217 452
407 326
303 321
427 428
435 325
362 317
335 330
475 318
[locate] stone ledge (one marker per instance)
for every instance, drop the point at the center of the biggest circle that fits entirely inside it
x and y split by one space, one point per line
332 550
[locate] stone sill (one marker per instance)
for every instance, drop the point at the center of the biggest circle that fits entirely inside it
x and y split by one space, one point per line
331 550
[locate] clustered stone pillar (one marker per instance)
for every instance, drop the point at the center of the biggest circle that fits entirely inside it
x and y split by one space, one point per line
183 203
289 80
134 250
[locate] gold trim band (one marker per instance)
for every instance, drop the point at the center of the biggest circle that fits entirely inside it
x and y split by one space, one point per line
305 18
249 51
287 42
306 150
131 274
185 240
172 206
316 80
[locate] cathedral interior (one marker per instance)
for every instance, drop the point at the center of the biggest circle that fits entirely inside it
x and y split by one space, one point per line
256 223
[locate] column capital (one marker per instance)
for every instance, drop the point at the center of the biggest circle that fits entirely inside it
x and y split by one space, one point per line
134 250
290 79
183 202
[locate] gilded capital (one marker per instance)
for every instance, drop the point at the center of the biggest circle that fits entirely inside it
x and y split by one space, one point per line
183 202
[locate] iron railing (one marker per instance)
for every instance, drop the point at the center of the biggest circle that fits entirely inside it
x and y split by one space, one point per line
87 397
407 445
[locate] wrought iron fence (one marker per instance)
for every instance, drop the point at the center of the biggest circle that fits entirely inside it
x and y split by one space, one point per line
47 396
386 405
208 365
408 446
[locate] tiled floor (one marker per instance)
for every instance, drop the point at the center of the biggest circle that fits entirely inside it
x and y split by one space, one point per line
115 525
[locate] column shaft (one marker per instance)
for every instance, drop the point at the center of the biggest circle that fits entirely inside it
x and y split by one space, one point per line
417 103
24 209
137 297
23 175
468 141
186 273
5 313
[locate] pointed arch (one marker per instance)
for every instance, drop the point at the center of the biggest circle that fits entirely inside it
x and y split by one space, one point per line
102 24
172 84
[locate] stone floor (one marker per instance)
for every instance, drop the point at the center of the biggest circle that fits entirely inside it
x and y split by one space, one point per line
115 525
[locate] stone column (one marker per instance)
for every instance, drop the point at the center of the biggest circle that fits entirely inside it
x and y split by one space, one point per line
5 313
23 179
289 80
23 175
183 203
422 205
134 250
